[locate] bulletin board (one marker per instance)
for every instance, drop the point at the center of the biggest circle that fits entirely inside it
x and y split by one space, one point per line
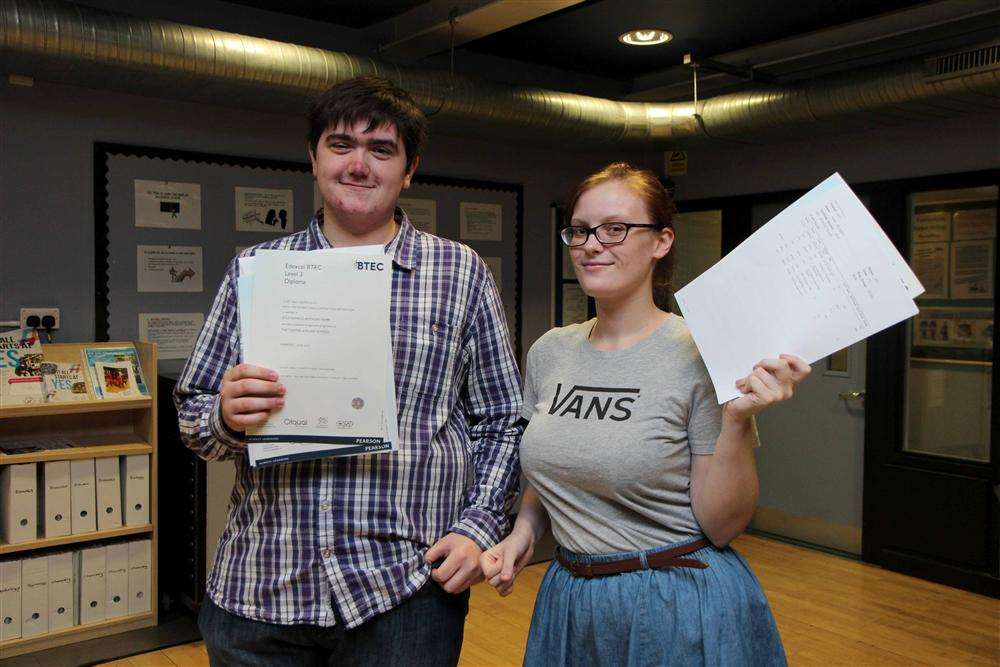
168 222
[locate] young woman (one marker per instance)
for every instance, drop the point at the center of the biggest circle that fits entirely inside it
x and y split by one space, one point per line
644 477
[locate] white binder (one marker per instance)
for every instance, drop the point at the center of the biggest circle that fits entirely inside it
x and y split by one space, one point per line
18 503
82 496
109 493
56 499
135 480
62 591
91 564
34 596
117 600
10 599
139 579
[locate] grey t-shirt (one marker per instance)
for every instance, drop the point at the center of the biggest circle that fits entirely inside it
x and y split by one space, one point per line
610 436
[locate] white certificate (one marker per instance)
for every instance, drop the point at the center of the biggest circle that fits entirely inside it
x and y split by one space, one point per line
168 268
173 333
421 212
480 222
821 275
321 321
167 205
264 210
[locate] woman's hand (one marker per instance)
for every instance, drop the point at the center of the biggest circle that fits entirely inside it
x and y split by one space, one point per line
504 562
771 382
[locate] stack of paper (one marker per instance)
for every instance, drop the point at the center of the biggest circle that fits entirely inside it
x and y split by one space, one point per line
821 275
321 321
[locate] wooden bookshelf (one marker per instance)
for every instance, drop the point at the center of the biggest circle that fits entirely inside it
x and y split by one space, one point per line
98 428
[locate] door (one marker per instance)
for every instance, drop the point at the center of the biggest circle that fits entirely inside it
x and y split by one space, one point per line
811 459
931 504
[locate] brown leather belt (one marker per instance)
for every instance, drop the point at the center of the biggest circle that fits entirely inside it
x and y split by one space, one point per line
654 561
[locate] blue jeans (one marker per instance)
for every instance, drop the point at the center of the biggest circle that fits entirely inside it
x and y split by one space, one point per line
425 629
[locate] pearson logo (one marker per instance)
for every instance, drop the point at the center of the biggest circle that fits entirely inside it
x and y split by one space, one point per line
598 403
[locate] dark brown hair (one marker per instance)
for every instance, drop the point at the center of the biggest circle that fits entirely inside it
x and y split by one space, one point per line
659 206
371 98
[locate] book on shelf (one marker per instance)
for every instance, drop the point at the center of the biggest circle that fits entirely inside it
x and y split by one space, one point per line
64 381
115 372
20 368
33 445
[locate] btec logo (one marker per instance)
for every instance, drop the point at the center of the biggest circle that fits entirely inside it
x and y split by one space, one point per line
296 422
581 402
370 266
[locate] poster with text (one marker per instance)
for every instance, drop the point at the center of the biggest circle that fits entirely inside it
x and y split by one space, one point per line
264 210
574 304
167 205
930 263
480 222
972 270
932 226
165 268
974 223
421 212
173 333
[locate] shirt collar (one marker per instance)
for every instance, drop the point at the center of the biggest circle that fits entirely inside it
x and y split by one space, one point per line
404 247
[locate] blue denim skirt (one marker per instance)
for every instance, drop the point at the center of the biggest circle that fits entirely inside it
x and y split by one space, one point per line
672 616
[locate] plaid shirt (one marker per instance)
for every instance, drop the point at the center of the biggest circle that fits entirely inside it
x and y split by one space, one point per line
344 538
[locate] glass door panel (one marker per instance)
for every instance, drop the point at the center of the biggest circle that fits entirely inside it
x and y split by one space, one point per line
950 341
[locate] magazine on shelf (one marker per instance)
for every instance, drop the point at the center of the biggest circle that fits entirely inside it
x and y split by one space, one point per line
20 368
64 381
30 445
109 357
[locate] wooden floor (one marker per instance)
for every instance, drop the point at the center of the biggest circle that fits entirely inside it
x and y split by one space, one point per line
830 610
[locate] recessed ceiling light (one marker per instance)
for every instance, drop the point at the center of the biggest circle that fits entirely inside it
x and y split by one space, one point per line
645 37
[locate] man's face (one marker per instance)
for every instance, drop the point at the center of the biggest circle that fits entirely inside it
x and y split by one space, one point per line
360 174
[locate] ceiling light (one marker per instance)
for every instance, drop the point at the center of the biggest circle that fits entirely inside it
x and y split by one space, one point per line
645 37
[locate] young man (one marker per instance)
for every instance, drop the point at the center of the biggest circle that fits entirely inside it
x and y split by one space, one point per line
330 561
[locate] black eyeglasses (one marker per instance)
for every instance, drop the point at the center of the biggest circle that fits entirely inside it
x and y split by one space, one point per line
610 233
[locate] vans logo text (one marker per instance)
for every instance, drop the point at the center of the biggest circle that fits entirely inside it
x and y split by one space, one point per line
582 402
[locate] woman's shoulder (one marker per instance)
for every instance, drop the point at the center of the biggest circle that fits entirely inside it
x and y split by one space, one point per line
677 335
558 337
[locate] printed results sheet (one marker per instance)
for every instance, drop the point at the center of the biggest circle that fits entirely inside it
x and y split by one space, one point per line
821 275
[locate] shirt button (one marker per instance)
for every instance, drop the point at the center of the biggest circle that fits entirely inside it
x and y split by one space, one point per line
435 328
327 553
324 506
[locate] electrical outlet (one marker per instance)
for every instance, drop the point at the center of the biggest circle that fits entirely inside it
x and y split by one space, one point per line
40 313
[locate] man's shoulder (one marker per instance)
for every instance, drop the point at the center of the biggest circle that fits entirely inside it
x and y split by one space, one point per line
451 255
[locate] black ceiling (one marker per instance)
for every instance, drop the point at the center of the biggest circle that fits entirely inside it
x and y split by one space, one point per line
349 13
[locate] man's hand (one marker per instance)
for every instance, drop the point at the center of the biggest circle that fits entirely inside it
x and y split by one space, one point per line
460 568
248 395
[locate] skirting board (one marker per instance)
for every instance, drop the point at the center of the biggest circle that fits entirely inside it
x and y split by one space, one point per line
808 529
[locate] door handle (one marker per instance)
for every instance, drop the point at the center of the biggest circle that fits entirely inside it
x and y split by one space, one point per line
852 396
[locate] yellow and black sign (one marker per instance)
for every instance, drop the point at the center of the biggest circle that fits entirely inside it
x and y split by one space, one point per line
677 163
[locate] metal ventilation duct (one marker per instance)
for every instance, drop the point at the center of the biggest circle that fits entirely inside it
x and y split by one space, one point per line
64 42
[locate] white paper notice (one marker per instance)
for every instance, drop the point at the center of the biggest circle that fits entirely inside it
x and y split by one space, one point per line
173 333
421 212
264 210
930 263
167 205
821 275
168 268
480 222
972 270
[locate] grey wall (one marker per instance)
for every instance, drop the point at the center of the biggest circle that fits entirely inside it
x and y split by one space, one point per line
47 134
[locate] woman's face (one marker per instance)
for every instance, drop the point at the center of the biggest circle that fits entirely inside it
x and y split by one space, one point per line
615 272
